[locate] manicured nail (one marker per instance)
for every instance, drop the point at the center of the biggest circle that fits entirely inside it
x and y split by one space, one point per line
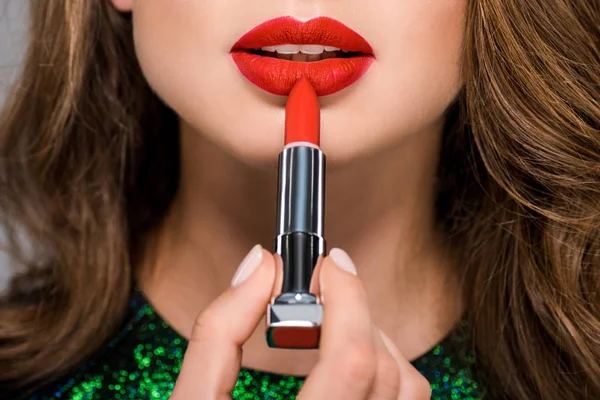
343 260
247 266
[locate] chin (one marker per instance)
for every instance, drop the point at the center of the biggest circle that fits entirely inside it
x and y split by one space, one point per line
257 141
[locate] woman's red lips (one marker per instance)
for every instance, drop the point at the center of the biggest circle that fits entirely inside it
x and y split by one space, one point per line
278 76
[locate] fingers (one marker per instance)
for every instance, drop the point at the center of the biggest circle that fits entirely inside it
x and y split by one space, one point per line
356 360
212 360
386 384
278 277
314 282
413 385
347 359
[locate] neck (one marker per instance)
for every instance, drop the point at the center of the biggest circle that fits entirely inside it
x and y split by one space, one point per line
224 206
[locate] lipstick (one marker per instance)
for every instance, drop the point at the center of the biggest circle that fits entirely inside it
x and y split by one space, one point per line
294 317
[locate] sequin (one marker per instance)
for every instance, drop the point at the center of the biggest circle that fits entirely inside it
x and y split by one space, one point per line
144 359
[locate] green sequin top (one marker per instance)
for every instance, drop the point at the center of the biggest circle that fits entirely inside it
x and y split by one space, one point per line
143 360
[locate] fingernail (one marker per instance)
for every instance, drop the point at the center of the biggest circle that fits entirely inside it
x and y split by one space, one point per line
247 266
343 260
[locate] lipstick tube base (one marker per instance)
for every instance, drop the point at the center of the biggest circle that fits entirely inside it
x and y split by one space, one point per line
294 326
294 337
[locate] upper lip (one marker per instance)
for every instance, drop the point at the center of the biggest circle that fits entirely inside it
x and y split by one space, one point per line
288 30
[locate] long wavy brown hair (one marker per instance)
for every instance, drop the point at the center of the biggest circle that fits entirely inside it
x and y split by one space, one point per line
82 134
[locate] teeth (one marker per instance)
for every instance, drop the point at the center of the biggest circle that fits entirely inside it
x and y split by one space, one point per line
288 49
316 49
312 49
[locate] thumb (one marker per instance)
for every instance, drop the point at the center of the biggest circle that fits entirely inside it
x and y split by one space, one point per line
212 360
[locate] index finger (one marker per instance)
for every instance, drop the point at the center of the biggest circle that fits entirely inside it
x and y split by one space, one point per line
347 354
212 360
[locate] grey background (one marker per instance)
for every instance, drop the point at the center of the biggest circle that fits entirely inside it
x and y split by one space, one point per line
13 26
13 17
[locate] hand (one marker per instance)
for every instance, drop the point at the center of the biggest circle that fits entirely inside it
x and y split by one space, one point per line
356 360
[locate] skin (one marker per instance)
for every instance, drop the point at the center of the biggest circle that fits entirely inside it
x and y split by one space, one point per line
386 126
356 361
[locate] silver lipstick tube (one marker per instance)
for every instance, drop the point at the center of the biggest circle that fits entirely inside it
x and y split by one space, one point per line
294 317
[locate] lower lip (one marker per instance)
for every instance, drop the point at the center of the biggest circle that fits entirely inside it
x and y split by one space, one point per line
278 76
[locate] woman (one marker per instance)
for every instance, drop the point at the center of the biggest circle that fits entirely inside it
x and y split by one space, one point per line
138 157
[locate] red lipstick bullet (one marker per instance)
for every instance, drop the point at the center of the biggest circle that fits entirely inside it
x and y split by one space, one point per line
303 114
